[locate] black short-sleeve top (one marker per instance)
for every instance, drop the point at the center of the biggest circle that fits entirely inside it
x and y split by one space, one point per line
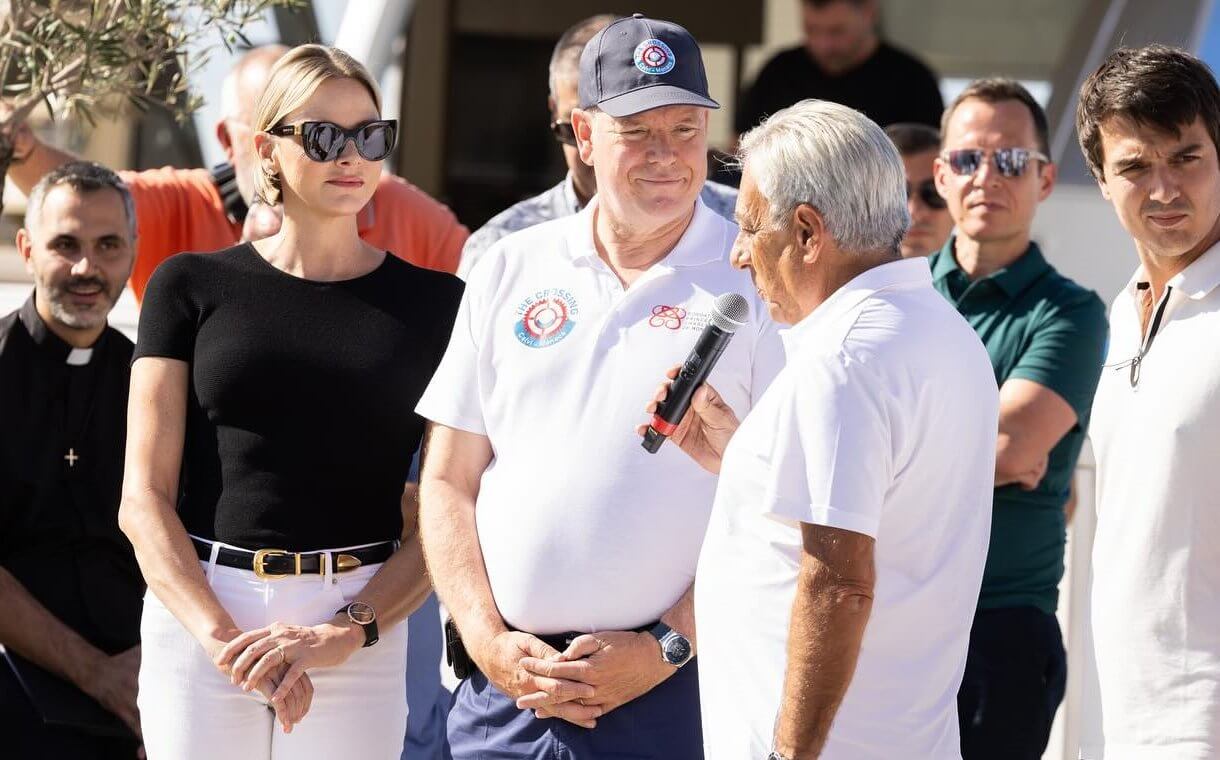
300 422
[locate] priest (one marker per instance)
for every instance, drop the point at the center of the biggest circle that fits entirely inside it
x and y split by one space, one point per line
70 589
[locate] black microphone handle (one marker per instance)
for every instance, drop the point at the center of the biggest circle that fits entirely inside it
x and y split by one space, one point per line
694 372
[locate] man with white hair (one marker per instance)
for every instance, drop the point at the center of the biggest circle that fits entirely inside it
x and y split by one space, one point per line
843 558
564 551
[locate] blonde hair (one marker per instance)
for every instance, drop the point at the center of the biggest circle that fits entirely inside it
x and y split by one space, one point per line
293 80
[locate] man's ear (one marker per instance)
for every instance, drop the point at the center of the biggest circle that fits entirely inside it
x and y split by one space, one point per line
25 246
225 139
810 230
550 105
582 125
1046 180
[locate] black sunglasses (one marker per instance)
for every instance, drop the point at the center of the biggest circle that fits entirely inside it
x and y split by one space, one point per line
324 141
1011 162
926 191
562 131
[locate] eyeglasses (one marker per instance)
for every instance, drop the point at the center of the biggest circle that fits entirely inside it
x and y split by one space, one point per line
926 191
562 130
324 141
1011 162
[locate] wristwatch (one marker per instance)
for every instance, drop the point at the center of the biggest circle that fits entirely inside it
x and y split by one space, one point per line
776 756
675 648
364 616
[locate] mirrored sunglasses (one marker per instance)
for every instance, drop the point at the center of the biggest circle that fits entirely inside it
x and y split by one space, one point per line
926 192
324 140
562 131
1010 162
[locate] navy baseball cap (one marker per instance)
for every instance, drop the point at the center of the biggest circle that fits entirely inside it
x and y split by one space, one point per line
636 64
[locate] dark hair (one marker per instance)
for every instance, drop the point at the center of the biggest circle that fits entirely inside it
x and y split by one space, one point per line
83 177
910 137
997 90
1156 86
565 58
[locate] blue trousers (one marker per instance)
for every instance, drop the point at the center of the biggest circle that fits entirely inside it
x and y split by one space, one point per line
663 724
427 700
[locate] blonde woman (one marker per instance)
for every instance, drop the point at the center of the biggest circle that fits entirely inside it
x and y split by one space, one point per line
270 434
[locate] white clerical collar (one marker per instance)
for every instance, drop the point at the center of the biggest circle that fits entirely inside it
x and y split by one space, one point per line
79 357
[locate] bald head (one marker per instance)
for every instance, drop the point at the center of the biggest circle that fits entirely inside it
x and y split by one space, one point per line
245 82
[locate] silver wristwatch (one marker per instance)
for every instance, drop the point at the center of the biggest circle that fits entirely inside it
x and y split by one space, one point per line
776 756
675 648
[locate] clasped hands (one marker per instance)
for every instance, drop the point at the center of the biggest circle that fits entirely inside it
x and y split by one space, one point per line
273 660
595 674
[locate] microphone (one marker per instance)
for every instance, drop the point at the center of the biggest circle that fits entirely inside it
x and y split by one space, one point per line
730 312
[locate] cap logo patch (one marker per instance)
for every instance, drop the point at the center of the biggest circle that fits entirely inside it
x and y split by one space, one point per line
654 57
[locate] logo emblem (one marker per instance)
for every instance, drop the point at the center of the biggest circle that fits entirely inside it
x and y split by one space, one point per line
545 318
669 317
654 57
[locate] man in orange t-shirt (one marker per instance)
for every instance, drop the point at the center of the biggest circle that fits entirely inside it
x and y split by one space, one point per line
199 210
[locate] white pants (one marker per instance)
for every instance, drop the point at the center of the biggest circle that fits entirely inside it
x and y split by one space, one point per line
190 711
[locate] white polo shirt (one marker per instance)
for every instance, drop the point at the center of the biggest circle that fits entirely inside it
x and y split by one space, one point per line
553 361
883 423
1156 555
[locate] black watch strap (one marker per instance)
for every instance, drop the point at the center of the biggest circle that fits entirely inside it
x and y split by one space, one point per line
675 648
370 628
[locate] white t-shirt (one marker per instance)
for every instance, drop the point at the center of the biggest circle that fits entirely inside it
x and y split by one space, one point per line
1156 555
553 361
884 423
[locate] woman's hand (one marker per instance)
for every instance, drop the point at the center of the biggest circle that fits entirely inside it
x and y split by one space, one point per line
705 429
292 708
252 656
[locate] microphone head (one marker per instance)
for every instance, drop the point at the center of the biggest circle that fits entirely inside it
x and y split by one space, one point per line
730 312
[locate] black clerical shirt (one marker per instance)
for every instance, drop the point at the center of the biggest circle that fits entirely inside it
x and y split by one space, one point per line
62 434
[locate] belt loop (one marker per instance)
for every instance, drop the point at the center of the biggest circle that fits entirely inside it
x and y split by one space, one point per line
328 570
212 560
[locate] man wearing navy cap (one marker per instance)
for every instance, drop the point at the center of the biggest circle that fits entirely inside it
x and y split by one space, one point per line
569 575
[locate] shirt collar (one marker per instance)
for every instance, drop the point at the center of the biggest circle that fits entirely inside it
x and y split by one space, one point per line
1012 279
702 242
53 346
1196 281
904 273
1201 276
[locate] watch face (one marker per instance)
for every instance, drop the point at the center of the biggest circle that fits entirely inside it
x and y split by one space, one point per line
677 650
361 613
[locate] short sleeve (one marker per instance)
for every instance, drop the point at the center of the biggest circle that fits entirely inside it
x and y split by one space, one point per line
831 463
452 397
169 316
415 226
1066 352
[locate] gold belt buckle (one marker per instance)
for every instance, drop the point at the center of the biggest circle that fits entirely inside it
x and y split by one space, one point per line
345 562
261 556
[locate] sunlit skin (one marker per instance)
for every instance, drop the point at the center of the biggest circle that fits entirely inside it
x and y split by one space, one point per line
841 35
1165 189
930 227
338 188
80 252
234 131
650 167
993 213
564 100
771 255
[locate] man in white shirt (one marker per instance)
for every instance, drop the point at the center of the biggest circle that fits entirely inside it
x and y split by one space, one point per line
574 191
563 550
842 562
1149 126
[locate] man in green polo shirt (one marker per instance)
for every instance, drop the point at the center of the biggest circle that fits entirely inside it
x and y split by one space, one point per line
1046 336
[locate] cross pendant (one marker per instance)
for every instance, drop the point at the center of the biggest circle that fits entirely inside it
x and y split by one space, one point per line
71 457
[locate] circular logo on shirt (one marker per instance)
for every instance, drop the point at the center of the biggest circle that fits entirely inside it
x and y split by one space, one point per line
669 317
654 57
545 318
